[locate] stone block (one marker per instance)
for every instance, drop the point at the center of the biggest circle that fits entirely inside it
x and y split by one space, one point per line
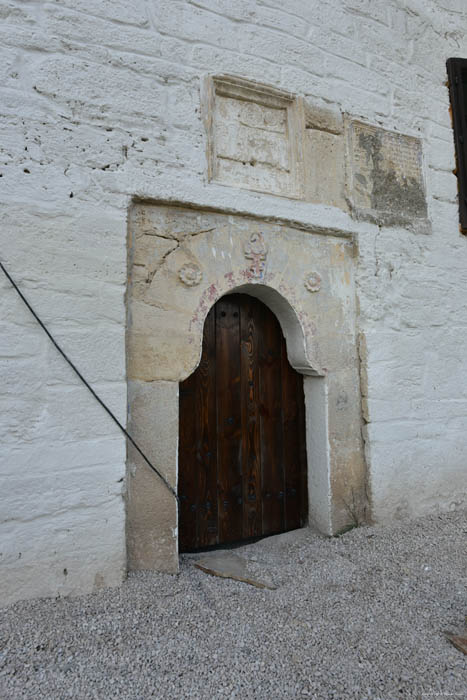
88 553
172 356
194 24
152 540
95 89
60 21
325 167
323 118
385 180
99 349
40 496
205 57
118 10
254 136
44 458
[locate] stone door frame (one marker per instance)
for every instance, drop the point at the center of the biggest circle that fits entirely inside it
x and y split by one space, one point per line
307 282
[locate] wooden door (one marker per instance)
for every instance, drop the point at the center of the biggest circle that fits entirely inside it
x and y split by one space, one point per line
242 458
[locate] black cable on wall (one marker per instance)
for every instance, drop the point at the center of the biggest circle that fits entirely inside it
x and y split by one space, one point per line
86 384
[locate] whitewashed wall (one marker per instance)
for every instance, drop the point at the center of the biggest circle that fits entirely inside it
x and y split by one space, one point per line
99 101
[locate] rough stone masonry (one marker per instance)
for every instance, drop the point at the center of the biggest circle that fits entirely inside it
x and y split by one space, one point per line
330 118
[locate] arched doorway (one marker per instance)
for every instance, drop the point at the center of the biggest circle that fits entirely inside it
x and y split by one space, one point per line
242 454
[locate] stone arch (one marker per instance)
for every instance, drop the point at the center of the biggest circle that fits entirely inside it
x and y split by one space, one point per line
288 316
290 323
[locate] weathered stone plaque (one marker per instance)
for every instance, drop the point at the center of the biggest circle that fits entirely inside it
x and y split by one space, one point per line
386 176
254 135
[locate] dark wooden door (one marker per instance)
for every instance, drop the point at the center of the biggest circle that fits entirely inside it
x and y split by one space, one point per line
242 458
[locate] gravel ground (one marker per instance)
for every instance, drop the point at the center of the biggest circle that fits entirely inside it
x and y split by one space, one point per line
358 616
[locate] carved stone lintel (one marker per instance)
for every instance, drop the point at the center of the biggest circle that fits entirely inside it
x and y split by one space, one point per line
313 282
190 274
256 251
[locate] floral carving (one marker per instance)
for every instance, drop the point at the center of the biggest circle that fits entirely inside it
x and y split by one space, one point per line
256 251
190 274
313 282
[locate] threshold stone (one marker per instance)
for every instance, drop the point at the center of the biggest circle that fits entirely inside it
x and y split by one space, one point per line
228 565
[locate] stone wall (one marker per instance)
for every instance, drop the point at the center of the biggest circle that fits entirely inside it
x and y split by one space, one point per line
100 103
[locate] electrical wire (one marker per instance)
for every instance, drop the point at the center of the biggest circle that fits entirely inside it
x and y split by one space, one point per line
86 384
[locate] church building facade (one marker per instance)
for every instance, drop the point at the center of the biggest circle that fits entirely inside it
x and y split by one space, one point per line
240 222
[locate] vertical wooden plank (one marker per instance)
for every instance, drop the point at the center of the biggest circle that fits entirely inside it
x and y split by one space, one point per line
229 427
291 441
301 439
251 451
197 449
270 405
187 464
205 416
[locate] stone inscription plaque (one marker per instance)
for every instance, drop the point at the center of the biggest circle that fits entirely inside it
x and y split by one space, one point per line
254 137
252 145
386 173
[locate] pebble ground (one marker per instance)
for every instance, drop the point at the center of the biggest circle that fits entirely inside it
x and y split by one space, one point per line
358 616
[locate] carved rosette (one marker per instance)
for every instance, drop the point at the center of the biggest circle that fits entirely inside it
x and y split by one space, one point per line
256 251
190 274
313 282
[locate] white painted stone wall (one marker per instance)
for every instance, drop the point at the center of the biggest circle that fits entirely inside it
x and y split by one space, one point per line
99 102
